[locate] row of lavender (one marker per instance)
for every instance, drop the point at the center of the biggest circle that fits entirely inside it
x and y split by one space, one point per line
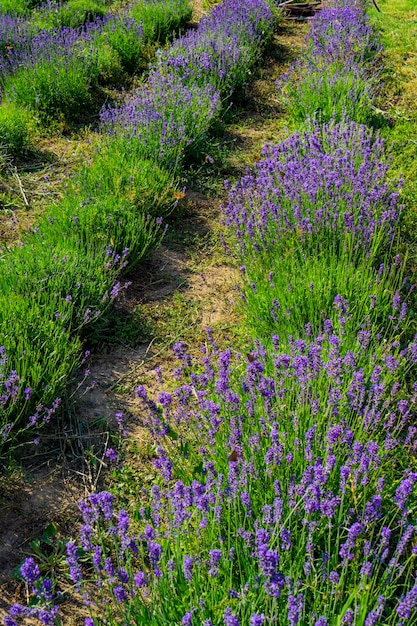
338 75
63 277
190 84
64 273
50 70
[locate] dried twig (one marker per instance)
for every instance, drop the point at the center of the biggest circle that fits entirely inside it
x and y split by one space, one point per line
22 191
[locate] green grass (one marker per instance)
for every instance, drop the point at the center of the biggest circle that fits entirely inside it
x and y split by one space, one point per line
54 89
400 89
16 129
398 100
328 95
19 7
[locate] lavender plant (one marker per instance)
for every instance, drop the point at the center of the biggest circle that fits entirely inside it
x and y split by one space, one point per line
12 31
160 20
337 75
340 31
325 186
174 110
315 221
71 14
163 118
25 46
125 37
225 46
57 68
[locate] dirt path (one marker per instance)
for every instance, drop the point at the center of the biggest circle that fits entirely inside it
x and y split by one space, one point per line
184 286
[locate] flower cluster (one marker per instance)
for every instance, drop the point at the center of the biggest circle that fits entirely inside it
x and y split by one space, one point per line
42 591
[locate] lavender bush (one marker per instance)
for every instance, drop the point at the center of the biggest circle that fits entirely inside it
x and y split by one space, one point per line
163 118
334 78
56 67
131 31
70 14
27 47
225 46
315 221
342 33
65 274
325 186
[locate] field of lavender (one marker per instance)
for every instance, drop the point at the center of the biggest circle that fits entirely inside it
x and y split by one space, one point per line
286 490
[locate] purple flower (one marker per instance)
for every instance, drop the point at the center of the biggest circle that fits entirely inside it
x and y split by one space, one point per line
373 616
187 620
30 571
229 618
140 579
120 593
246 501
122 523
348 618
73 563
188 568
346 549
406 607
295 608
404 491
120 419
155 552
111 454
